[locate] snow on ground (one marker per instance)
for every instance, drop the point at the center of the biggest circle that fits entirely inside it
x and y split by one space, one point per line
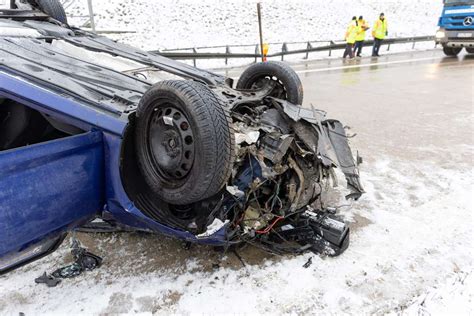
411 230
170 24
188 23
453 298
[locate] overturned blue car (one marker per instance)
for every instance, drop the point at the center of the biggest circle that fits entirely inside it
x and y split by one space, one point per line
91 128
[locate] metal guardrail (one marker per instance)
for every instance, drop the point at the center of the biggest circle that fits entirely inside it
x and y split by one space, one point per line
311 46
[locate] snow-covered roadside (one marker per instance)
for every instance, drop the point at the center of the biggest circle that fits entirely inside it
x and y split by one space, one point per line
189 23
174 24
412 229
453 298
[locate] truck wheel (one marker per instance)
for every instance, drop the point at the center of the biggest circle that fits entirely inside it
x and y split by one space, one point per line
452 51
288 87
470 50
54 9
184 141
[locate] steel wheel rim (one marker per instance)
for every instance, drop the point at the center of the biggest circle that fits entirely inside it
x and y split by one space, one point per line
278 91
171 142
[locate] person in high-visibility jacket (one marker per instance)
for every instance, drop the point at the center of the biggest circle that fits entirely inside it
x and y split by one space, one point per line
379 32
360 38
350 37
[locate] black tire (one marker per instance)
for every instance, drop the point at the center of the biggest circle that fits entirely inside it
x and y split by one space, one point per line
470 50
190 157
286 77
54 9
451 51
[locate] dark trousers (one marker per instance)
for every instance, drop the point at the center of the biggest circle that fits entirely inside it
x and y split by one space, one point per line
377 44
358 47
349 51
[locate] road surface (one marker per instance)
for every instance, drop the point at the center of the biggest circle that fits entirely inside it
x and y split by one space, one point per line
413 116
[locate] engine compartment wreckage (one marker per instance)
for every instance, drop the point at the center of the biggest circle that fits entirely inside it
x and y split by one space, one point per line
106 130
286 155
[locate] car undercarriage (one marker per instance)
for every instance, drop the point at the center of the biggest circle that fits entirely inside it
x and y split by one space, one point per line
195 152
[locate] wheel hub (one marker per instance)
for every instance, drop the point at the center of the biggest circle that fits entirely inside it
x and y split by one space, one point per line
279 90
171 142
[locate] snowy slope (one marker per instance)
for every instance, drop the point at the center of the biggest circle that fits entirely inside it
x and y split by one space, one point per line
189 23
397 252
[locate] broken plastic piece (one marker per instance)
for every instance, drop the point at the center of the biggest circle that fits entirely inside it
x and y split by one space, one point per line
84 261
234 190
50 281
216 225
249 138
308 263
68 272
275 148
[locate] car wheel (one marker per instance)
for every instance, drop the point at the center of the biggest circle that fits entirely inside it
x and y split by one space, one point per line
470 50
452 51
288 84
54 9
184 141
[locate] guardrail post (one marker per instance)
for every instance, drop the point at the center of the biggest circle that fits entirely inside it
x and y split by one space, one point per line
227 52
388 47
413 46
91 15
194 59
257 51
330 48
308 47
284 49
259 14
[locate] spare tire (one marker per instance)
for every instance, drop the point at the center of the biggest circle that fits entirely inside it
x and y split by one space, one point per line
54 9
184 141
288 85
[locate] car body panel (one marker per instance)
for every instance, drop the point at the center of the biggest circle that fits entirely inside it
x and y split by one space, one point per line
45 190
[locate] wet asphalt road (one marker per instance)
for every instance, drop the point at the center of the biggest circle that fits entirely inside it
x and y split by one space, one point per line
395 103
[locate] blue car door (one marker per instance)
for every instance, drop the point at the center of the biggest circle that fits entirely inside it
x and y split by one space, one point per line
46 190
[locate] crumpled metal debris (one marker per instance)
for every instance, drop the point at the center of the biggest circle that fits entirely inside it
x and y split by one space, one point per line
83 261
286 158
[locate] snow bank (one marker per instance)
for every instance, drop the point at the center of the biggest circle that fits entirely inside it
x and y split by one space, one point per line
188 23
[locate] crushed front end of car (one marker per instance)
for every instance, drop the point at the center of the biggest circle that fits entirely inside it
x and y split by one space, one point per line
286 157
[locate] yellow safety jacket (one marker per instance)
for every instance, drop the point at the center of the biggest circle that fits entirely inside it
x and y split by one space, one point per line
380 29
361 30
351 32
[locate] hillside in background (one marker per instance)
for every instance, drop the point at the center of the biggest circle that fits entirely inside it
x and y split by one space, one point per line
186 23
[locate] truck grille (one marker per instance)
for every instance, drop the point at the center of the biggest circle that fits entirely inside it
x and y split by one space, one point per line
455 22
